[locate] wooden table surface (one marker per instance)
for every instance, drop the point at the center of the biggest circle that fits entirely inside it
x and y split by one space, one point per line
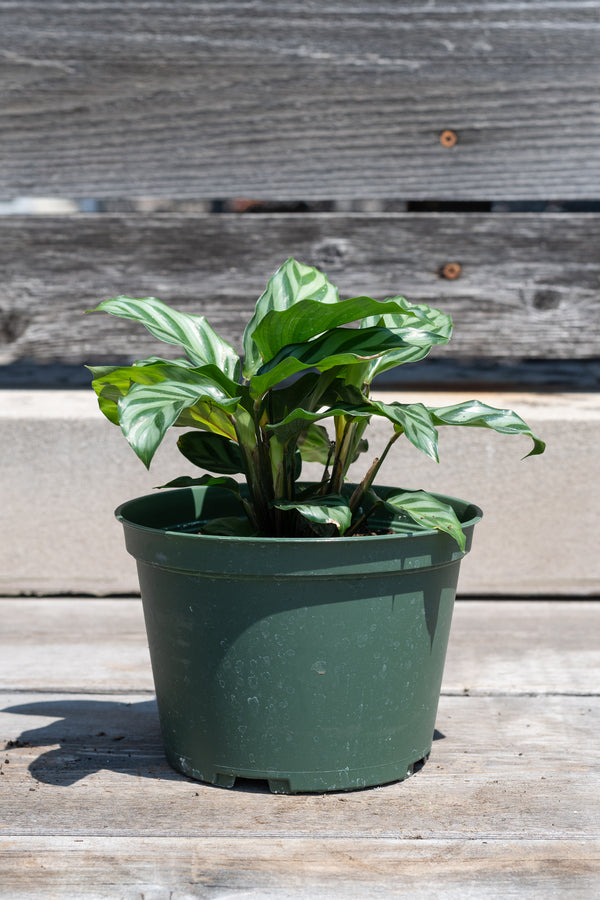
507 806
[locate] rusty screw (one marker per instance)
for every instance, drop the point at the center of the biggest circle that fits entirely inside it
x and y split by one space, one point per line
451 271
448 138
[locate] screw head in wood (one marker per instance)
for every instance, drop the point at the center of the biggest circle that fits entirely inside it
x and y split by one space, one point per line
448 138
451 271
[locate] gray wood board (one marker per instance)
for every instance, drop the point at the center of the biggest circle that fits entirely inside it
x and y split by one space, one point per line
507 802
509 647
300 100
72 764
528 287
506 806
99 868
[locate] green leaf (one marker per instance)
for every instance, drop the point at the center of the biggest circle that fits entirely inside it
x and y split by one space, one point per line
207 417
341 409
332 510
417 315
361 447
229 526
307 319
428 320
315 444
338 347
184 481
148 410
211 451
202 344
475 414
428 511
286 398
415 421
308 392
113 382
385 517
291 283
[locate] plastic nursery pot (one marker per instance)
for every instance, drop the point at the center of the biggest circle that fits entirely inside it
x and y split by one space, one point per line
315 664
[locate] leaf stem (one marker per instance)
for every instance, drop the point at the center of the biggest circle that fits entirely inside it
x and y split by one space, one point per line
367 481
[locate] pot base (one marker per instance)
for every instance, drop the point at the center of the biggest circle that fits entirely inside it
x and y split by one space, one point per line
305 782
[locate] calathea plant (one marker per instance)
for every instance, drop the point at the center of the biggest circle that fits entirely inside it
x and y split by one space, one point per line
309 360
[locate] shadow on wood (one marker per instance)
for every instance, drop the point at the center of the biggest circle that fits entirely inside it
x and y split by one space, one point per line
102 735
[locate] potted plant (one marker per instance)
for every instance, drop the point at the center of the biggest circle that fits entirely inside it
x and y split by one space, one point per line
297 629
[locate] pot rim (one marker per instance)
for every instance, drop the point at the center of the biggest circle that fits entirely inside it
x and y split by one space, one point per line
471 512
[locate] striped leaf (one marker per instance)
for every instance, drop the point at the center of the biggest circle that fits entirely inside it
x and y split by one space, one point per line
322 512
338 347
113 382
148 410
475 414
340 409
429 512
201 343
307 319
415 421
434 325
291 283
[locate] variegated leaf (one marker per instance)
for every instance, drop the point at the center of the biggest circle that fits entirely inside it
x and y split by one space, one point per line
428 511
332 510
113 382
428 320
148 410
475 414
291 283
202 344
340 409
307 319
415 421
338 347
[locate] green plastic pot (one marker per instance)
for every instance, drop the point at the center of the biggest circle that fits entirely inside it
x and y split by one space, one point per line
315 664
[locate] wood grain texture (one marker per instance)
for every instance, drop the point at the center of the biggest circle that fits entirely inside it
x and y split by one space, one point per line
290 100
501 768
528 287
296 869
506 806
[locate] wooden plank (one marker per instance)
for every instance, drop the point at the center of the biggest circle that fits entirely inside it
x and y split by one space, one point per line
506 806
290 100
179 869
538 646
104 648
528 286
501 768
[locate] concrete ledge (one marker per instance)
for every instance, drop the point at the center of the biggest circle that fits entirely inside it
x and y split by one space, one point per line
65 469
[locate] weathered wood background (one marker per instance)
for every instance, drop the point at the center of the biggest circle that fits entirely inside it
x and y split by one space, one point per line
202 100
527 287
289 99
